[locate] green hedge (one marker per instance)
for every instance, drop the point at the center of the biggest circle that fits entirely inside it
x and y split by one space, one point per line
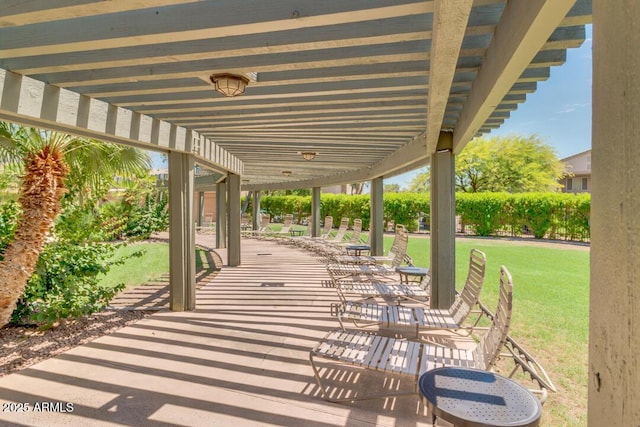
543 215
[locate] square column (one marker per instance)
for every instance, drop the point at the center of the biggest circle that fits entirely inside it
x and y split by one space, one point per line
376 224
315 212
256 210
233 220
614 315
443 224
200 208
221 215
182 235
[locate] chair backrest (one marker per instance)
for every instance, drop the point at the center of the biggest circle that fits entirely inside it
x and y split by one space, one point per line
470 293
288 222
490 345
342 230
327 226
265 219
245 219
399 248
357 230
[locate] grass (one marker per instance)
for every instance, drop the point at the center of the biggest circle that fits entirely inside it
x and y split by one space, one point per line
151 266
551 310
136 271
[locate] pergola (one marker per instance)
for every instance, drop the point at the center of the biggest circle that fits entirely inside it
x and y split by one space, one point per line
372 88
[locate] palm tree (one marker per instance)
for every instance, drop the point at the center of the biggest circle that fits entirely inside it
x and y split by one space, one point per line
49 160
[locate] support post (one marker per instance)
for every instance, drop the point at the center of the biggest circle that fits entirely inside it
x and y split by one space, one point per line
256 210
614 320
201 208
315 212
182 236
443 221
221 215
376 225
233 220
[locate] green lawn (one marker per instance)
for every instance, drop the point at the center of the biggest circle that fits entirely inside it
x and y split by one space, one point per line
136 271
151 266
550 310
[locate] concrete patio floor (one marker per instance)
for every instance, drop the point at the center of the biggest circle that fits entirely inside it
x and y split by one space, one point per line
240 359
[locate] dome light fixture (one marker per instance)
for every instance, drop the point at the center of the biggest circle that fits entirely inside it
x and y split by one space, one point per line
286 173
229 84
308 155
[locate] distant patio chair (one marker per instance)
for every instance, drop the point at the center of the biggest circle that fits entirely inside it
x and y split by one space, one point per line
284 231
263 229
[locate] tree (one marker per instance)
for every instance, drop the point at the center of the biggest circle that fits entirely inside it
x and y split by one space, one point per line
48 159
392 188
421 182
514 164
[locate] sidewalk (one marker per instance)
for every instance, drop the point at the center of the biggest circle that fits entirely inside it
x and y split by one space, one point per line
240 359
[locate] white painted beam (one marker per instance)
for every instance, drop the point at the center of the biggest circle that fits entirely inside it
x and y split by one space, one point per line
449 26
34 103
146 32
24 13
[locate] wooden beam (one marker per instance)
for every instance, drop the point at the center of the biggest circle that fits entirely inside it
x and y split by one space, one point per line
449 26
197 22
26 13
35 103
524 28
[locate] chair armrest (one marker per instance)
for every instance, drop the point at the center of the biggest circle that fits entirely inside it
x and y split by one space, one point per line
530 366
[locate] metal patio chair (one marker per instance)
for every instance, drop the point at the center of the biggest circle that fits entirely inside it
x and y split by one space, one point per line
401 357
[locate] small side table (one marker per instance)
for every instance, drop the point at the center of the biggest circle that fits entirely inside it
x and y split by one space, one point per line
296 232
357 249
406 272
473 398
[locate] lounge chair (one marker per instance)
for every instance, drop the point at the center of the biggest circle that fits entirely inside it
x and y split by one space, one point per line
362 290
263 229
284 231
398 251
364 314
395 356
306 241
320 245
342 270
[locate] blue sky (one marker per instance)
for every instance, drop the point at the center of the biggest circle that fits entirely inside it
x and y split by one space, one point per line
558 112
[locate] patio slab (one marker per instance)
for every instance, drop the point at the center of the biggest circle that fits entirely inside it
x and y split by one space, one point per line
240 359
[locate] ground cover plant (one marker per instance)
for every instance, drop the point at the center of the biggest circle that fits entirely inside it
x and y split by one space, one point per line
551 309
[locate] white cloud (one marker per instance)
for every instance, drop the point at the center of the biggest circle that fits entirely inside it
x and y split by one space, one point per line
569 108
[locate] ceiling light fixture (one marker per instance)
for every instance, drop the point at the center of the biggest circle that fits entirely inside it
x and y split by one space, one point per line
286 173
229 84
308 155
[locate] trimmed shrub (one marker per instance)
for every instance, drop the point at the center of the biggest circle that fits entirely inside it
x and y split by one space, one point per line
545 215
65 283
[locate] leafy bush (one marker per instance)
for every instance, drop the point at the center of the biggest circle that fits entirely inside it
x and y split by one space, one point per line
131 219
405 208
65 282
9 213
483 211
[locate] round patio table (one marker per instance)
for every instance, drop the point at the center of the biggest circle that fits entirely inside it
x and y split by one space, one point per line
473 398
357 249
406 272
